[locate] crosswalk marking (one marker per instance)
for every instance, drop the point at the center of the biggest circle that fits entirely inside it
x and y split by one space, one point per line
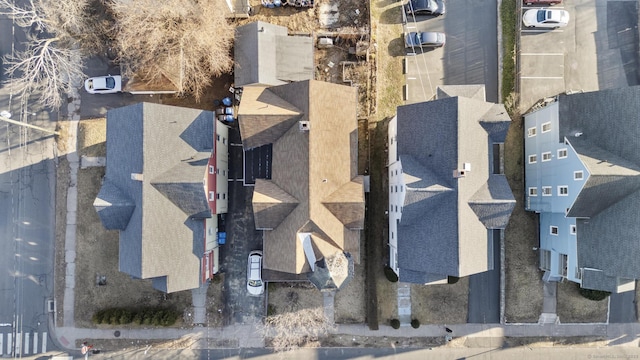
26 343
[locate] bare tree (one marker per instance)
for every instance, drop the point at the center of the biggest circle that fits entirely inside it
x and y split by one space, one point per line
52 63
291 330
185 41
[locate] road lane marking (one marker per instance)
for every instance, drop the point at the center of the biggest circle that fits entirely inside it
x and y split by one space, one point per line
44 342
18 344
26 344
35 343
1 344
543 54
9 344
541 31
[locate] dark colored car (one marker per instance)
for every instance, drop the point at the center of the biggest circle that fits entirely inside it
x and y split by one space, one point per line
424 40
542 2
424 7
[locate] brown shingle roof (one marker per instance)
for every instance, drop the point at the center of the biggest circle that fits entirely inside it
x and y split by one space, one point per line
271 204
316 167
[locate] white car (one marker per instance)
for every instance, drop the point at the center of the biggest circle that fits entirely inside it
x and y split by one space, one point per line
255 286
103 84
545 18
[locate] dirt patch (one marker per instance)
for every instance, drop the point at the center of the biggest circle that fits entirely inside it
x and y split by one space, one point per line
288 296
341 340
440 304
590 341
92 137
523 279
575 308
349 302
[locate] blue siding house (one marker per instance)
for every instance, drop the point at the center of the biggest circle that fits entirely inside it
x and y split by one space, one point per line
582 176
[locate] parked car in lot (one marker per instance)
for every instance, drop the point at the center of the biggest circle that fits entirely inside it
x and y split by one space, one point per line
255 286
425 7
542 2
103 84
545 18
424 40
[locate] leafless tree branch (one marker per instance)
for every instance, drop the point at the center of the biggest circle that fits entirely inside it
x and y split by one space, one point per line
186 41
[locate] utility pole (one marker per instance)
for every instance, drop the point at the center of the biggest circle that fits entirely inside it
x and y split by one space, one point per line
4 116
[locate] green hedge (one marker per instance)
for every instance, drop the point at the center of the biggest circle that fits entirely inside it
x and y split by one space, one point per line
148 316
390 274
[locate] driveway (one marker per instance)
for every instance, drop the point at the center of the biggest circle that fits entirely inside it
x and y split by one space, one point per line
597 50
484 291
470 55
240 308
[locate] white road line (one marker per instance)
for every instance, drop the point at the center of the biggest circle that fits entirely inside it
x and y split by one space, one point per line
26 344
18 345
35 343
543 54
44 342
541 77
411 78
540 31
1 345
9 344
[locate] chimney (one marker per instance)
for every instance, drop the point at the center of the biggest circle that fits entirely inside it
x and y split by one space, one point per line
136 176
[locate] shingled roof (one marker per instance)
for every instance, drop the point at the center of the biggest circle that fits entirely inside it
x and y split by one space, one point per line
315 192
266 55
445 220
608 125
153 193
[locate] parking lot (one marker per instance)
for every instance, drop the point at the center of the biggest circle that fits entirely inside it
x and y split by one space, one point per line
470 55
597 50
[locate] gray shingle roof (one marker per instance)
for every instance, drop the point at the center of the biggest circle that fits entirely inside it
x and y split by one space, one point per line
311 169
266 55
167 146
114 207
609 123
443 230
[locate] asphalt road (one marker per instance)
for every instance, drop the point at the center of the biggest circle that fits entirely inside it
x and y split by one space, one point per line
470 55
27 184
484 291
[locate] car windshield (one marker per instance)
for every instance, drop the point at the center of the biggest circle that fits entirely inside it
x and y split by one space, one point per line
542 15
110 82
255 283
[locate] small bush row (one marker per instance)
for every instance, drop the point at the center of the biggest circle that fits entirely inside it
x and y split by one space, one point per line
149 316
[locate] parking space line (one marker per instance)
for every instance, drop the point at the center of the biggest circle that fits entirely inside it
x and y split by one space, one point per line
540 31
543 54
541 77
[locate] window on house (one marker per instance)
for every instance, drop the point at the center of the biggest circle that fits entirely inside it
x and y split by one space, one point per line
546 127
218 196
562 153
546 156
574 229
545 259
401 188
546 191
531 132
533 159
212 195
578 175
212 169
553 230
218 137
224 140
395 188
390 189
392 235
396 207
563 190
533 191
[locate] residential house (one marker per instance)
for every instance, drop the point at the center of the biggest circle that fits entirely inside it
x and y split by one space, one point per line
165 183
582 168
266 55
311 207
448 197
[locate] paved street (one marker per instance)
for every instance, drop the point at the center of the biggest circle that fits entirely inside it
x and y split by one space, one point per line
27 184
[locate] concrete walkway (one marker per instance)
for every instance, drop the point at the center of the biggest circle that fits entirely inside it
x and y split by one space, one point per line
404 304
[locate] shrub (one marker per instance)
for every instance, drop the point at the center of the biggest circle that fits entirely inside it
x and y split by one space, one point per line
452 279
98 316
395 323
415 323
390 274
148 316
595 295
